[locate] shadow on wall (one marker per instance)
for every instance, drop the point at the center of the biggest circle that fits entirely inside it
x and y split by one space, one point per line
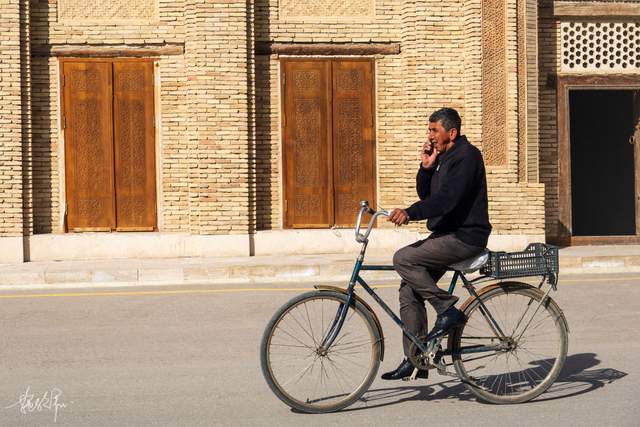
548 144
579 375
25 108
262 146
38 99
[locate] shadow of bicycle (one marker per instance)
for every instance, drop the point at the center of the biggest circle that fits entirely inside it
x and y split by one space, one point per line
579 375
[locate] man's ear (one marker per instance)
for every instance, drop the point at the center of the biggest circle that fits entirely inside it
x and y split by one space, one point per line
453 133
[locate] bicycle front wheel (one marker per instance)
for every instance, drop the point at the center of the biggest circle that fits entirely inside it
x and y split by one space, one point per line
523 363
304 375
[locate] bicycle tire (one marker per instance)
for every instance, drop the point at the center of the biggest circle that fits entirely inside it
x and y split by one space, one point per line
472 311
318 406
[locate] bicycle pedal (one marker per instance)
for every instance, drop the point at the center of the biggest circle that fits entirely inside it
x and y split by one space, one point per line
415 375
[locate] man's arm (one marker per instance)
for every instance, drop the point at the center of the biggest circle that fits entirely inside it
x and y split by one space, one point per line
423 181
457 184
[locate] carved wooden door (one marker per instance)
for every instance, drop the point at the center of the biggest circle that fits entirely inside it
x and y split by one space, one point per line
353 141
329 144
109 145
134 145
307 144
88 128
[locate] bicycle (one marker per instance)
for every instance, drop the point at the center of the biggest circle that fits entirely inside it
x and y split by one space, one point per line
321 350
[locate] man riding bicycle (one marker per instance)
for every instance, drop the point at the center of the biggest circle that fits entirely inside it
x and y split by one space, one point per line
452 187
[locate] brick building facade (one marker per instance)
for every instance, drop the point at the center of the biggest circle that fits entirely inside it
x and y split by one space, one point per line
214 176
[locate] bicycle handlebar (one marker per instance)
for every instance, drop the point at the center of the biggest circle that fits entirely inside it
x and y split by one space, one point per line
364 207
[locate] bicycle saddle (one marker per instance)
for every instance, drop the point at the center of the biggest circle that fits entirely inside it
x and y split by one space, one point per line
472 264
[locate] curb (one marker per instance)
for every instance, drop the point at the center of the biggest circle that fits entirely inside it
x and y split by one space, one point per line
243 274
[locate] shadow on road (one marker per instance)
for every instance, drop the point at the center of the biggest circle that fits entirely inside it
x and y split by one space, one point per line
579 375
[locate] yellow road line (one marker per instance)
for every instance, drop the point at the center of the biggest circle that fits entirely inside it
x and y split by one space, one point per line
235 290
182 291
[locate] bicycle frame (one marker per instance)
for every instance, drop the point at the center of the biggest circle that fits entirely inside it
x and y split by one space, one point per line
341 314
359 266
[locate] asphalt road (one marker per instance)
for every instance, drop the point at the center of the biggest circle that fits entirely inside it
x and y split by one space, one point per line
189 356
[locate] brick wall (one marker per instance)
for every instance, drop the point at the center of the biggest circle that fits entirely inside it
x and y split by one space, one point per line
216 57
219 145
10 120
383 25
439 65
549 48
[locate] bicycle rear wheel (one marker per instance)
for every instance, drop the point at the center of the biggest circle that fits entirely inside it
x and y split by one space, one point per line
526 361
300 372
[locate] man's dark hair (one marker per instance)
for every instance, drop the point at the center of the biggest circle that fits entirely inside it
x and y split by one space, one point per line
448 117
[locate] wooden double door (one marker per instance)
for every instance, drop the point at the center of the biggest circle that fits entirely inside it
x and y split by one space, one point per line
108 121
328 141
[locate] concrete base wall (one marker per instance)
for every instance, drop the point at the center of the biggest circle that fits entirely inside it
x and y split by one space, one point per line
11 250
70 247
94 246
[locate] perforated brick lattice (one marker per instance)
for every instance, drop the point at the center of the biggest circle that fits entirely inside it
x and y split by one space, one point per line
600 46
101 11
292 8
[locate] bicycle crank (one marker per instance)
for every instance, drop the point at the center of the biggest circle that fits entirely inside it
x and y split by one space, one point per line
428 359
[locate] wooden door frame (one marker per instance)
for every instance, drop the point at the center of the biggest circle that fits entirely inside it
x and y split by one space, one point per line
565 83
331 59
61 79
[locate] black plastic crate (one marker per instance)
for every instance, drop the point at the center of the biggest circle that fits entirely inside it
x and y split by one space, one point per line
537 259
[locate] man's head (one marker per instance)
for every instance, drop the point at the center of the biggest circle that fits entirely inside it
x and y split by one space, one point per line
444 127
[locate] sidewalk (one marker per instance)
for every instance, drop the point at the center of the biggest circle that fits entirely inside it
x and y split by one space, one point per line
265 269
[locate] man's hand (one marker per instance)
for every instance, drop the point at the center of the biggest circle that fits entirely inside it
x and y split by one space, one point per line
398 216
428 160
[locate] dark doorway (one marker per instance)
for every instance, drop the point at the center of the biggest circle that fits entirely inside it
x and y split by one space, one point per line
603 176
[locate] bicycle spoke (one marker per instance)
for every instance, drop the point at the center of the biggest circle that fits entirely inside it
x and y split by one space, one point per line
346 359
337 375
313 337
302 372
296 339
303 329
346 374
289 345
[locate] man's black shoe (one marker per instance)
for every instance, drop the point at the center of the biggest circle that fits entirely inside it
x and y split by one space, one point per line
446 321
404 371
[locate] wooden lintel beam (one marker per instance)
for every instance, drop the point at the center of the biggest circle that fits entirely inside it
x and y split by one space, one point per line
595 9
266 48
109 50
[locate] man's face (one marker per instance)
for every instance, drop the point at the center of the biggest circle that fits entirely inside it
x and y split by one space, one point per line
440 137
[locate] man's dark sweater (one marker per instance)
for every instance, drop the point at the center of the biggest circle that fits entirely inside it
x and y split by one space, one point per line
453 195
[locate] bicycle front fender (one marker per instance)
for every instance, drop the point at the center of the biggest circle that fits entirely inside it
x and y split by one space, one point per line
364 303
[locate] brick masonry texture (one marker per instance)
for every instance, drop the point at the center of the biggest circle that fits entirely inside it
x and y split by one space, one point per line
101 11
439 65
549 43
218 129
10 120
